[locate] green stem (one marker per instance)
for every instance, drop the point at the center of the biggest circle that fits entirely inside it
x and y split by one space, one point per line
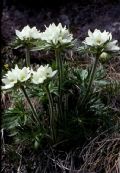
60 76
34 113
59 66
51 110
27 53
92 74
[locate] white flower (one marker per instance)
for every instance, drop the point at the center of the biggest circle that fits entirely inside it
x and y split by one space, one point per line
28 33
42 73
16 75
56 34
37 79
10 79
112 46
46 71
97 38
24 74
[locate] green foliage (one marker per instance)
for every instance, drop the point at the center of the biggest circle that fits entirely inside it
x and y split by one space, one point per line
19 124
78 122
74 102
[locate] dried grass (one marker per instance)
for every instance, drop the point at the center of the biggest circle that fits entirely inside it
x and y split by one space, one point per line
102 154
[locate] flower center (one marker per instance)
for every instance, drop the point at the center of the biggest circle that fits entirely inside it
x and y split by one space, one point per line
22 77
98 40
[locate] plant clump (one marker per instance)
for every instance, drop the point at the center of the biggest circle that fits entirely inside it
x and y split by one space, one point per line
74 100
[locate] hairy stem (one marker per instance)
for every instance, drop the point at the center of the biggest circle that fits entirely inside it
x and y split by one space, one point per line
51 110
34 113
91 78
60 77
27 54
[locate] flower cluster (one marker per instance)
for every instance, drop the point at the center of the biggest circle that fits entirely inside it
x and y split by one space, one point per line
18 75
28 33
101 39
52 36
56 35
42 73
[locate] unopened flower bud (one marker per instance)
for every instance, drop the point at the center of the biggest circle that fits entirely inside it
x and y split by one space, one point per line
104 55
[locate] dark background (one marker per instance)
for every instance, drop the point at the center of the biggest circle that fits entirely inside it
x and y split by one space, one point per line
52 3
78 15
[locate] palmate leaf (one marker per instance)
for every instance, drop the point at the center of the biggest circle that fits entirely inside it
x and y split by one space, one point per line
53 88
20 127
18 43
80 76
40 45
31 135
14 117
35 91
100 73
